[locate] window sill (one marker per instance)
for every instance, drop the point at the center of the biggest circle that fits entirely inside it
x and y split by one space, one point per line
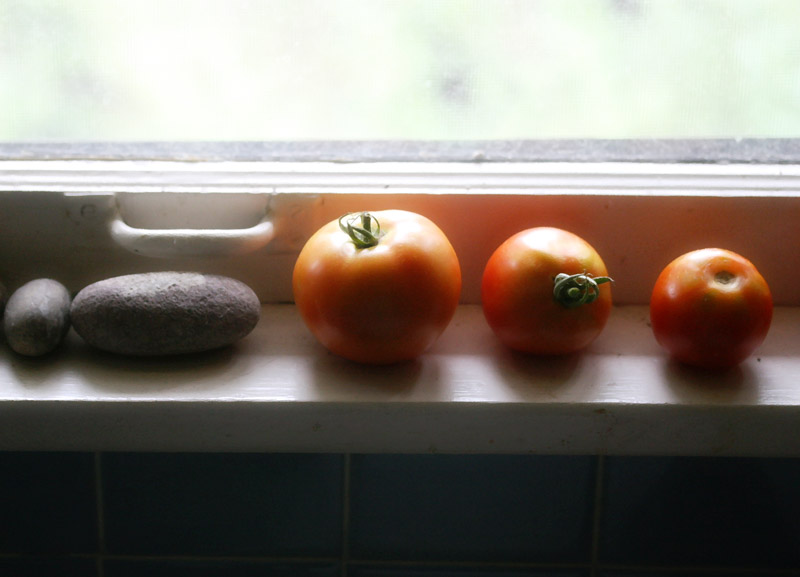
278 390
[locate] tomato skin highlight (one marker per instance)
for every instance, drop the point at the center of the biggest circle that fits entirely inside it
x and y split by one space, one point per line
517 292
710 308
382 304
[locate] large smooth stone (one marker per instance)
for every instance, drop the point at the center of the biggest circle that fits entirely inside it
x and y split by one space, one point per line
36 317
164 313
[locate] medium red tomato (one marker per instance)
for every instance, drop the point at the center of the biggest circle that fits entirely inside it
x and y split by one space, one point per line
377 287
710 308
541 293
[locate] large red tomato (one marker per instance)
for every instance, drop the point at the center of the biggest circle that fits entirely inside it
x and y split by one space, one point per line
710 308
541 292
377 287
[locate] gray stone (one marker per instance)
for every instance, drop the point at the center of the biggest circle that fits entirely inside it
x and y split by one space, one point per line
164 313
36 317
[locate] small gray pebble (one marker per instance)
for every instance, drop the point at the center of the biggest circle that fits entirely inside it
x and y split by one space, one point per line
36 317
164 313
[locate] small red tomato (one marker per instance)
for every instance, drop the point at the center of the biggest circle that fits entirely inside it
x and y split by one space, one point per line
540 292
710 308
377 287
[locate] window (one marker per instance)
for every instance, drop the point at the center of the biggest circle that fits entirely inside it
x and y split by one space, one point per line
450 70
131 129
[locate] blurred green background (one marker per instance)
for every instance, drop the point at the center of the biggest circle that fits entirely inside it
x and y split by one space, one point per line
221 70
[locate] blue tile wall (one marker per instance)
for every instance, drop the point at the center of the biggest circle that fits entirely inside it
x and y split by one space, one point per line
39 566
736 572
242 515
701 512
223 504
47 503
504 508
217 568
461 571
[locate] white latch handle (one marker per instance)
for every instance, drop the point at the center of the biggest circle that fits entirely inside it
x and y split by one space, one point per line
165 243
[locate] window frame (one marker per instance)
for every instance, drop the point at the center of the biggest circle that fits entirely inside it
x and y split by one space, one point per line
278 391
301 196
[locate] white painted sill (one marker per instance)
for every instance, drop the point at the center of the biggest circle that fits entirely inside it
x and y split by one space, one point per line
277 390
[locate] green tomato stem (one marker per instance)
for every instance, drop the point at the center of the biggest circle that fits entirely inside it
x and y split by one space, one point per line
362 228
572 291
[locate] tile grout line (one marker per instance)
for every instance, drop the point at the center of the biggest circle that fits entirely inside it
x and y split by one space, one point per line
101 529
597 512
345 553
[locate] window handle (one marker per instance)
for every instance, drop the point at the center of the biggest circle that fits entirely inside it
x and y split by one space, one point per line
179 242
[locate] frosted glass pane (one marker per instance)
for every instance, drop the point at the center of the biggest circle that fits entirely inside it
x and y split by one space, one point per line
217 70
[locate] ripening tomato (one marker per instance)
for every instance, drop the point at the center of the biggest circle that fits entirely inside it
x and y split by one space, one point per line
710 308
541 293
377 287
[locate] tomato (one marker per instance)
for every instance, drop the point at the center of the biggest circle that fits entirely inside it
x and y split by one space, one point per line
710 308
377 287
540 292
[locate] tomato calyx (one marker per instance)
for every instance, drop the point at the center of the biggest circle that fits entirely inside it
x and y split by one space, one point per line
574 290
362 228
